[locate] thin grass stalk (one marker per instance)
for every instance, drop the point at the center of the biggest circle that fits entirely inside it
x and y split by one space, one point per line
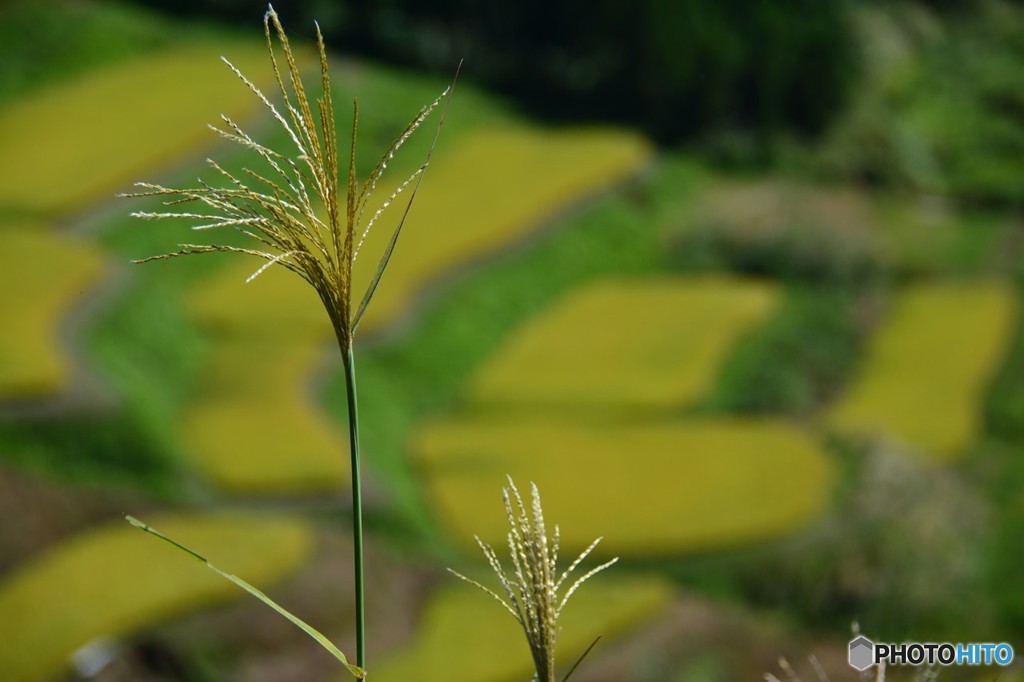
357 503
279 215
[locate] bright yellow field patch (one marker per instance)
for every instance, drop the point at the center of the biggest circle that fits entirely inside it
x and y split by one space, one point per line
465 636
651 343
649 489
927 367
276 305
115 580
254 426
490 189
42 277
92 137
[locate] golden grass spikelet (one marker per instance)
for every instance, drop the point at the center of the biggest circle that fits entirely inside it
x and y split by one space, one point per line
535 592
297 217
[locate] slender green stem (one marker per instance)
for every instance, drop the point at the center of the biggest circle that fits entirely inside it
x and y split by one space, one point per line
357 502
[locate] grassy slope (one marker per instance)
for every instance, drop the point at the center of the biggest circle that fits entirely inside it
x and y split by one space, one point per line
776 370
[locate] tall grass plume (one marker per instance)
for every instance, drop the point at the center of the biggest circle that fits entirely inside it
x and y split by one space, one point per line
299 215
535 592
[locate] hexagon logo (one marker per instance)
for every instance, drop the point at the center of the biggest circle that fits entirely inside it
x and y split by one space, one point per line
862 653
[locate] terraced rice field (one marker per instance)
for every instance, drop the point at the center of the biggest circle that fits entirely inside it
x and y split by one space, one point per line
652 487
56 271
485 191
276 305
928 366
656 488
93 136
252 426
115 580
464 636
652 343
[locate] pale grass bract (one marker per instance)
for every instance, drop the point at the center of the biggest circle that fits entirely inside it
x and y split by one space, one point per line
535 592
297 216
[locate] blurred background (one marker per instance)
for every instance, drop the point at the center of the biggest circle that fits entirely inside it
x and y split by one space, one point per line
737 284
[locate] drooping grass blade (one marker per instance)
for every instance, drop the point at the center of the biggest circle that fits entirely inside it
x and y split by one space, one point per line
359 673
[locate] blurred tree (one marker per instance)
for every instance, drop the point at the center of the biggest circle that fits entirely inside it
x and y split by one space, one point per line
674 67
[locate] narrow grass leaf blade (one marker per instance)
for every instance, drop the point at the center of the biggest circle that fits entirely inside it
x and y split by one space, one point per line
386 257
359 673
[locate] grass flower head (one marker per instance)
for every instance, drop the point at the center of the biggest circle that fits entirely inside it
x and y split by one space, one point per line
297 215
535 592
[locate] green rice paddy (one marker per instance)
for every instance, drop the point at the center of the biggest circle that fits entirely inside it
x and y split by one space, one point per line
650 489
652 343
465 636
928 366
115 580
57 271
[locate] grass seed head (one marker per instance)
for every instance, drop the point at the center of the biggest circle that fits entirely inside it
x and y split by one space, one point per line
295 214
535 593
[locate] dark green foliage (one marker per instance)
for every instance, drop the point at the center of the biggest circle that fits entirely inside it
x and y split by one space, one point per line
1004 409
955 6
1006 486
796 361
1003 472
117 452
946 116
673 68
